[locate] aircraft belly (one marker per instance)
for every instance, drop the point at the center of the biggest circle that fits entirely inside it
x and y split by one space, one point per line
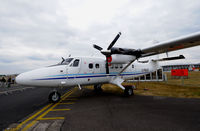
46 83
87 80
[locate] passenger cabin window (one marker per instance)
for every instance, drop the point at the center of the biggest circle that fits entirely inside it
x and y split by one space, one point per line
97 65
132 66
76 62
121 66
90 65
116 66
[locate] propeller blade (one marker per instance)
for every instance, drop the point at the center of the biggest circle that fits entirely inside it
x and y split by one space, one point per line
97 47
114 41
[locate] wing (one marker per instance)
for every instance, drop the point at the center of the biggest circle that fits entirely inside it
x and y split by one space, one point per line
172 45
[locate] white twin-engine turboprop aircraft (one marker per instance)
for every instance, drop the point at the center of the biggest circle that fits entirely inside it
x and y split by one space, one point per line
117 67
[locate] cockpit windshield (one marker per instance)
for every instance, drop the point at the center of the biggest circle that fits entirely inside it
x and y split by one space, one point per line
66 61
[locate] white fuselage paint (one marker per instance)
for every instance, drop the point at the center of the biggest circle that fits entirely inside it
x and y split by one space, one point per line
69 75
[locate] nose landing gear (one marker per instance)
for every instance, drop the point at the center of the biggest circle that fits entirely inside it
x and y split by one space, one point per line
54 96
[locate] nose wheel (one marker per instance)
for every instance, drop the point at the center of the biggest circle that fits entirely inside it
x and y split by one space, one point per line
54 96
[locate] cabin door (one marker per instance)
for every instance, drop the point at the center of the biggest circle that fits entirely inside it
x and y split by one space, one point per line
73 71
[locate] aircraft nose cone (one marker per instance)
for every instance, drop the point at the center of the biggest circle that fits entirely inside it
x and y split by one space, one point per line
19 79
22 79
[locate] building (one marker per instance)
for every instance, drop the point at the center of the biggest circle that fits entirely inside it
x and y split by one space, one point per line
190 67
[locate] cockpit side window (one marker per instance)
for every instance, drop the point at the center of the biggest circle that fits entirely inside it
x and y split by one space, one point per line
76 62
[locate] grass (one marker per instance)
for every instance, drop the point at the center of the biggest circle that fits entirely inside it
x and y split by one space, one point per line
193 79
170 88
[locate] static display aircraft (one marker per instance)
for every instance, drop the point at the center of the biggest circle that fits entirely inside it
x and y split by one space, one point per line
119 65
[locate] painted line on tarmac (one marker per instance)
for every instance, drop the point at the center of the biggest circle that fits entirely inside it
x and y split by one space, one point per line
41 116
39 112
71 99
60 109
68 103
32 117
52 118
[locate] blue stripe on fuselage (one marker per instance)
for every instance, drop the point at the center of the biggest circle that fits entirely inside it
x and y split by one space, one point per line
75 76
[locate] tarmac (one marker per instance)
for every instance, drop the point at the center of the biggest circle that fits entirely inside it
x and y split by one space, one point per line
86 110
5 90
17 103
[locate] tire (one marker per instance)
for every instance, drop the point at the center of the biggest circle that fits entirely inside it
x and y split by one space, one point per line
97 88
128 91
54 97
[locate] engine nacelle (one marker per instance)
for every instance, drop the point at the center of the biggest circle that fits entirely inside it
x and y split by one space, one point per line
122 59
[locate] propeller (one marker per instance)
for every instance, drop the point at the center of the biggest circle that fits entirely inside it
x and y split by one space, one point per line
107 52
115 50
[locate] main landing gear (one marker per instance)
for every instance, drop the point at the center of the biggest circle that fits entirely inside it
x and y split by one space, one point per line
54 96
97 88
128 91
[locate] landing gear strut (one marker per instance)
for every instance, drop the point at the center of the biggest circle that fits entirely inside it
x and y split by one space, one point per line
128 91
54 96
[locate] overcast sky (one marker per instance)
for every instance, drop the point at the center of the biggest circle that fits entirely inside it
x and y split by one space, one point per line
37 33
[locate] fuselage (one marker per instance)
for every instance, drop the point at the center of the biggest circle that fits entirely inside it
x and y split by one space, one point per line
82 71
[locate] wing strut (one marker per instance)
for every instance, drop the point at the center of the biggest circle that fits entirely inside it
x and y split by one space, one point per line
116 80
126 67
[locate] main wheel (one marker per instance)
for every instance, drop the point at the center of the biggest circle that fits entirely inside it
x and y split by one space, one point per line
128 91
97 88
54 96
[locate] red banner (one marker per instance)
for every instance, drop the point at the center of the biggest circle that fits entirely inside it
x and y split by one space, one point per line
179 72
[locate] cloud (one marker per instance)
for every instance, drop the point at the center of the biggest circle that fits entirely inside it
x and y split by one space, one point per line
38 33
